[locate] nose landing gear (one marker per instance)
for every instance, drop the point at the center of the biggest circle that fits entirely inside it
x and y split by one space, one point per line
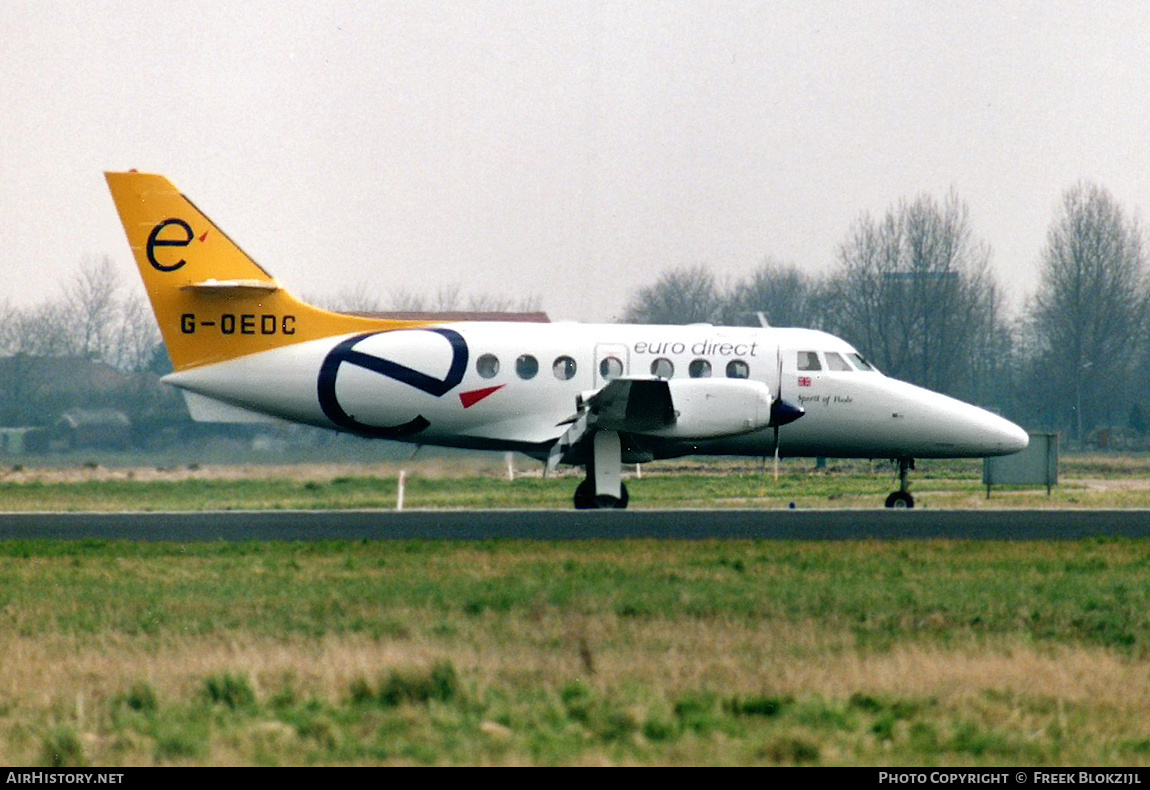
902 497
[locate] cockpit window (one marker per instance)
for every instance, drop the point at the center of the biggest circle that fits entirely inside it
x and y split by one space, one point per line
860 363
809 360
836 362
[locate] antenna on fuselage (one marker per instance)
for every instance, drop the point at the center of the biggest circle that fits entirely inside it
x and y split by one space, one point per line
761 315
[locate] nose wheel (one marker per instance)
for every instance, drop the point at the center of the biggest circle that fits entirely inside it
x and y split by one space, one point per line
902 498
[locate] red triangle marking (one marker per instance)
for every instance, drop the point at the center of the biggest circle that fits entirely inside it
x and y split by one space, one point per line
204 236
469 399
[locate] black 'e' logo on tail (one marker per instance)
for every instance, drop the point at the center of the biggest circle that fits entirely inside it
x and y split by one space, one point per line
154 241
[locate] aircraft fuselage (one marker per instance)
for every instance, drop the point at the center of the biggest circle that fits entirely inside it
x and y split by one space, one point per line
512 386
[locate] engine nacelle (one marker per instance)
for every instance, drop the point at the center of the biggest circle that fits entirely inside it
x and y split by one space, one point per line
709 408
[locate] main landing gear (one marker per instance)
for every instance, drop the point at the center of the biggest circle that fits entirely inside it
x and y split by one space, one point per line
587 499
603 488
902 497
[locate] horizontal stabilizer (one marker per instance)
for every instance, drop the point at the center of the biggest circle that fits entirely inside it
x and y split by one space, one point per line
233 287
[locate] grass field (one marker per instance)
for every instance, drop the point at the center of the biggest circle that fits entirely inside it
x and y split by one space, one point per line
479 482
607 652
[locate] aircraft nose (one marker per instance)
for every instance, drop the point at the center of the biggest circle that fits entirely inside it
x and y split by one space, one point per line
1004 436
953 428
1014 438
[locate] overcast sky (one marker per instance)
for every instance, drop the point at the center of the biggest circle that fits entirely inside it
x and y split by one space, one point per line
564 150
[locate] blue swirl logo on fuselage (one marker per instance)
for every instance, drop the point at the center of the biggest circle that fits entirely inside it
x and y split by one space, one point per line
346 354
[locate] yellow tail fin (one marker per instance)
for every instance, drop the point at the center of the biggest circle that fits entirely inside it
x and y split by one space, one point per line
212 301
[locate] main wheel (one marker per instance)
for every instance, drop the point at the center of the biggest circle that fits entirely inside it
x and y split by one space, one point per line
900 499
603 501
586 499
585 496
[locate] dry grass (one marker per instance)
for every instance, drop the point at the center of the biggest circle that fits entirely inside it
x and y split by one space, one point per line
788 660
1016 691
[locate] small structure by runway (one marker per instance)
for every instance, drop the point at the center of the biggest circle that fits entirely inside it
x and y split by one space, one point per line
564 525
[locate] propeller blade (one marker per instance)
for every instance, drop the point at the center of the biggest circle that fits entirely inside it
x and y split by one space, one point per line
776 453
775 404
782 412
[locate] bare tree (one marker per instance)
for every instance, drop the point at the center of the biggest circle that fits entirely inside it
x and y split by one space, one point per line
360 298
487 303
92 303
8 315
914 291
529 304
1088 316
92 320
137 336
406 301
42 330
30 334
448 298
687 295
782 294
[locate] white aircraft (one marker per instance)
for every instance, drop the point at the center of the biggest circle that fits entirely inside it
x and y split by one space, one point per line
591 395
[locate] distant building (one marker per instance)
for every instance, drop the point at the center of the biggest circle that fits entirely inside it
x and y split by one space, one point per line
104 428
17 441
34 391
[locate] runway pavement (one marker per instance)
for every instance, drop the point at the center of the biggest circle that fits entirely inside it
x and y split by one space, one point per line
571 525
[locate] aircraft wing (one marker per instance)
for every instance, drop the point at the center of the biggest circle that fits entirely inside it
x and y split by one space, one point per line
626 405
631 406
681 409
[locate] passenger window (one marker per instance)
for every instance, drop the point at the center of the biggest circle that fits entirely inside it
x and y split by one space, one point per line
610 368
738 369
526 366
809 360
663 368
860 363
564 368
699 369
487 365
836 362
